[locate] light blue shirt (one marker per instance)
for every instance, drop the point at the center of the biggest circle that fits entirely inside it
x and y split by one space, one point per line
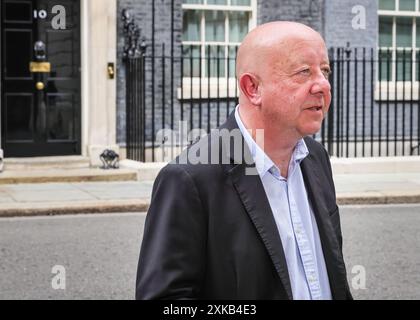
294 219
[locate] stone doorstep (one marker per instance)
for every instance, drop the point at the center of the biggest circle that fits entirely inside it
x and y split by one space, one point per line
46 163
73 169
78 207
67 175
145 171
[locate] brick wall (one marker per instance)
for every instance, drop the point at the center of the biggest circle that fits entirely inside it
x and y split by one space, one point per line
309 12
338 29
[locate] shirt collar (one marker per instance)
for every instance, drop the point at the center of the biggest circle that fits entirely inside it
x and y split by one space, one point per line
263 163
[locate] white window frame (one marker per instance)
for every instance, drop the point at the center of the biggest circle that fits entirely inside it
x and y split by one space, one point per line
223 86
398 90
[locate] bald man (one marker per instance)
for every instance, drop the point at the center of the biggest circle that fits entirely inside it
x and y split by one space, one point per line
261 223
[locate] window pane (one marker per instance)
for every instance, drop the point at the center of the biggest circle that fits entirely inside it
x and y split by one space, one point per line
238 26
215 61
232 61
404 32
191 61
191 25
385 32
217 2
193 1
407 5
19 117
241 2
215 25
17 12
385 58
404 65
418 33
61 117
387 4
18 41
417 66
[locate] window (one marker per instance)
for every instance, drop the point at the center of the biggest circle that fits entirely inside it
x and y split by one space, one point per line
399 40
212 33
398 50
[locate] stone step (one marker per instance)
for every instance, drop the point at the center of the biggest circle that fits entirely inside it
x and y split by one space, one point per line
66 175
46 163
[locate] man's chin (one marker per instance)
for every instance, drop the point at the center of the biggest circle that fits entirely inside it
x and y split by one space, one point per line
310 131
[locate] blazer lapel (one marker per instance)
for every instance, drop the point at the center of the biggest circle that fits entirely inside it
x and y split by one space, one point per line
330 246
252 194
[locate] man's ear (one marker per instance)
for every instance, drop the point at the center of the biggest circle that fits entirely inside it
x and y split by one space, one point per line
250 87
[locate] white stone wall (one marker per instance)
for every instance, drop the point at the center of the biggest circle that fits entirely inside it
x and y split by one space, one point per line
98 91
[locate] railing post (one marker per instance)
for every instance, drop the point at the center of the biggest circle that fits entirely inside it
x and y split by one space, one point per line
133 58
330 127
348 52
142 86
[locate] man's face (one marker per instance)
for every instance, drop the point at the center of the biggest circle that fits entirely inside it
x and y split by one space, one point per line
295 89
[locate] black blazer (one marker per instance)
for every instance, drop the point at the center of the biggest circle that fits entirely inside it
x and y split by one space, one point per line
210 232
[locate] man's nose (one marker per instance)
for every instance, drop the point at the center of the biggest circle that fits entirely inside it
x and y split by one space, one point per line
320 84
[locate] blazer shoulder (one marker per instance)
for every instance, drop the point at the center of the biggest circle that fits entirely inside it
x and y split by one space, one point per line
315 147
174 171
197 159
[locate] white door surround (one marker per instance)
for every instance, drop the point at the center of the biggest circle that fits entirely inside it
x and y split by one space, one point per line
99 41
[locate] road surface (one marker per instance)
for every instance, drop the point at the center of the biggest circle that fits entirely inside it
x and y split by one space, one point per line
96 255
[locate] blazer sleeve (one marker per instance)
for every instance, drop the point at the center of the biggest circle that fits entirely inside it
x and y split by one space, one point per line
336 215
172 256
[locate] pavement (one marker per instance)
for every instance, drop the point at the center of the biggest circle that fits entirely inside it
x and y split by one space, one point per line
34 199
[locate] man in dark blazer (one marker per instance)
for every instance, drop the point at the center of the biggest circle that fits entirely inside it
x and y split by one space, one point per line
216 228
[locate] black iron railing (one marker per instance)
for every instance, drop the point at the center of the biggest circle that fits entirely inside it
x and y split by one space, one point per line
375 105
374 109
134 60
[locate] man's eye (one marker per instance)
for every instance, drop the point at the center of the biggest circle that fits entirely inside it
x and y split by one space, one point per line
304 72
326 73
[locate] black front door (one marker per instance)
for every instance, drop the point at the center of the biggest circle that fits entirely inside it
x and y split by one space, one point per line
40 75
